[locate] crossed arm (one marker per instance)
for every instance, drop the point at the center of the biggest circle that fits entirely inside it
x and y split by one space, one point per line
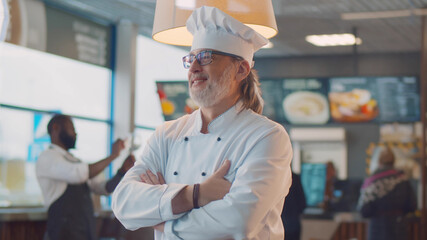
214 188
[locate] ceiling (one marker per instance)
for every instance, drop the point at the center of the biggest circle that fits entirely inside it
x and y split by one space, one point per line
295 20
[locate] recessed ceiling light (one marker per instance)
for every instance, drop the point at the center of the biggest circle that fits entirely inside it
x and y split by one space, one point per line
332 40
384 14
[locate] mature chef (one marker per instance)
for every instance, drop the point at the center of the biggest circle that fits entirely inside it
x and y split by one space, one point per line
66 183
223 171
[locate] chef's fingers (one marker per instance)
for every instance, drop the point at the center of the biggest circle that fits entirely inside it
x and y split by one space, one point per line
144 178
152 177
161 178
223 170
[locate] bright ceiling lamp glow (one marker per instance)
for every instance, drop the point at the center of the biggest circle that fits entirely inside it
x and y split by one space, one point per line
332 40
4 19
171 16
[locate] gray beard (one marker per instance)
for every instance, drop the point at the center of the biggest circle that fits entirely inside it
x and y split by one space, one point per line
214 92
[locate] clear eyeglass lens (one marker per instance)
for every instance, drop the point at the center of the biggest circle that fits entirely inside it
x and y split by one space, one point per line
187 60
204 57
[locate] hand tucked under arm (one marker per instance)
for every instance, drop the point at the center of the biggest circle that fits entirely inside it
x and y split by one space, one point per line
214 188
150 178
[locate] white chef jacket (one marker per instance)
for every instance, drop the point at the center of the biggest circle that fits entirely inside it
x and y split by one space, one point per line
260 153
56 168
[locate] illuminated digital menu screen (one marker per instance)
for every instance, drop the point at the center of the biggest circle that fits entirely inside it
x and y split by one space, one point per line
399 99
296 101
380 99
318 101
342 99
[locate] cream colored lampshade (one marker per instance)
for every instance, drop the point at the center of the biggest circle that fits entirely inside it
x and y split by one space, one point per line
4 19
171 17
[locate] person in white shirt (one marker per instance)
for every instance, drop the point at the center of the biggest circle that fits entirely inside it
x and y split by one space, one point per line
223 171
66 183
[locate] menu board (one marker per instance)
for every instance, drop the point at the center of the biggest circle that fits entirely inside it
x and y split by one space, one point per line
342 99
77 38
380 99
399 100
296 101
174 99
318 101
273 96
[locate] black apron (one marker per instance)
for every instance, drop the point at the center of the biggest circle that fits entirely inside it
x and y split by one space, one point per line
71 216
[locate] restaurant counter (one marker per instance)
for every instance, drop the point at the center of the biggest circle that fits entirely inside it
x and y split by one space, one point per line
30 223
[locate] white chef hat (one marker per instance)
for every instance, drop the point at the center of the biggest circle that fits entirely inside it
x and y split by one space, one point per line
214 29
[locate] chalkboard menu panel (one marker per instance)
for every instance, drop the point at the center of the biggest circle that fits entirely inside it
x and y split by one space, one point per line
399 99
175 99
353 99
296 101
77 38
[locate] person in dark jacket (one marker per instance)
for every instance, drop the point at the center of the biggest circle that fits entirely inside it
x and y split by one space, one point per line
386 198
294 206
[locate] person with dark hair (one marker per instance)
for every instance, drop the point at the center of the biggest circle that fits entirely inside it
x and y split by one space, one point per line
223 171
67 182
386 197
295 204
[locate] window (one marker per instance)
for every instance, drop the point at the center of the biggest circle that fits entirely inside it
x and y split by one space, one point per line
34 84
155 62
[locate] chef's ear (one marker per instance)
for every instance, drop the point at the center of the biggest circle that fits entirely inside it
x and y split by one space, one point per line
243 70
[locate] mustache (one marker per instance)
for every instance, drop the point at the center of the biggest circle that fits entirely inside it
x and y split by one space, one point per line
198 75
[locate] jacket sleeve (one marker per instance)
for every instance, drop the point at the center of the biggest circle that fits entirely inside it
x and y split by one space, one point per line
54 166
261 183
136 204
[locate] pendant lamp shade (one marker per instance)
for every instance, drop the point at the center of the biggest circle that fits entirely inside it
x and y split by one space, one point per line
171 17
4 19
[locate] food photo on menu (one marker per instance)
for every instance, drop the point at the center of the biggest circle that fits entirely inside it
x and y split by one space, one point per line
356 105
353 100
296 101
305 107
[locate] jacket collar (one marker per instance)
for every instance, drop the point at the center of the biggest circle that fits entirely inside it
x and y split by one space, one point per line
219 122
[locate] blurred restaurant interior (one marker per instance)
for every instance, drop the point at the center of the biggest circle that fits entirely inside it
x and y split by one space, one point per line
339 99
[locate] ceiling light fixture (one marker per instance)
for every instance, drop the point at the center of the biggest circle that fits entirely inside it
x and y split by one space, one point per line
384 14
171 16
331 40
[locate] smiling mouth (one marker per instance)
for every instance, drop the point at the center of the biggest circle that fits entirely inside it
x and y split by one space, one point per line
198 80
